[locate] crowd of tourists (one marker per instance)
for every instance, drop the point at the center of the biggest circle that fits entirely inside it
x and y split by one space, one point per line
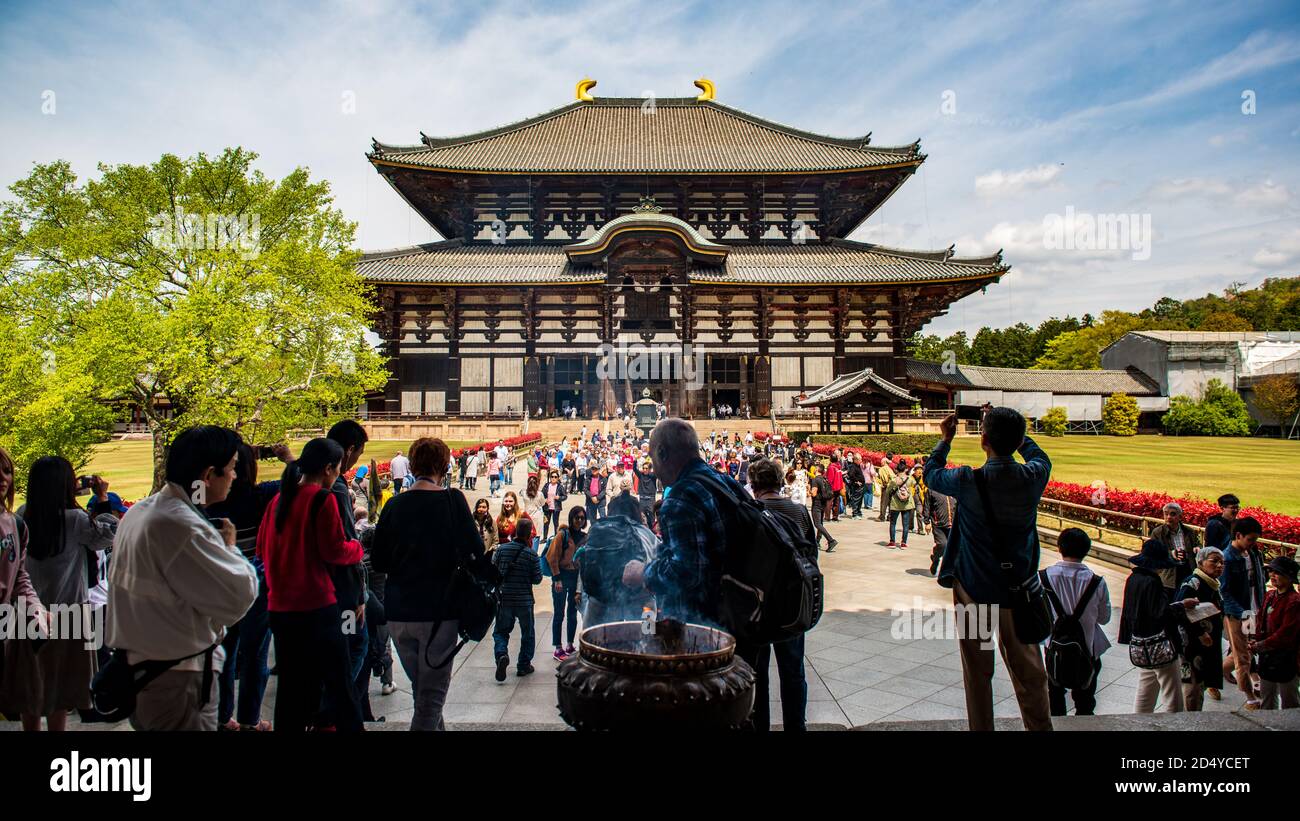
333 570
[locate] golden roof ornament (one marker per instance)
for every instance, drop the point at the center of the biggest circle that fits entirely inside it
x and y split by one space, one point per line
585 85
707 89
647 205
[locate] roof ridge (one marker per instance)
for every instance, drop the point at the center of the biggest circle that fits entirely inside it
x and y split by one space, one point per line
860 143
421 247
945 255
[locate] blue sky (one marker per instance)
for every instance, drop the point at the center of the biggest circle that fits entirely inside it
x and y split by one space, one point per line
1099 107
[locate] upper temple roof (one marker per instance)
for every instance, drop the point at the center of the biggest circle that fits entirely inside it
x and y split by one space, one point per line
626 135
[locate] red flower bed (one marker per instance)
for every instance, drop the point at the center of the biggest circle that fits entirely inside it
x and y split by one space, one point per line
1195 511
1136 502
511 442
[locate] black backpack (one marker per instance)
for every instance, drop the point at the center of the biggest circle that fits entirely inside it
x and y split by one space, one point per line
1068 659
771 586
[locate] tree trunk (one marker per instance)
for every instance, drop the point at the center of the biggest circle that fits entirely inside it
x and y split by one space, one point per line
159 456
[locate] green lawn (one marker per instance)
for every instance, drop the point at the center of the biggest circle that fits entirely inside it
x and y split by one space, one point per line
128 465
1263 472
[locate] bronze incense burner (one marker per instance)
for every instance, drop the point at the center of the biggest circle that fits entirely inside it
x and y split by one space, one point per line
684 676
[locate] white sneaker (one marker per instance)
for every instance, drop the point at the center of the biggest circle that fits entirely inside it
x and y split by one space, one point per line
387 689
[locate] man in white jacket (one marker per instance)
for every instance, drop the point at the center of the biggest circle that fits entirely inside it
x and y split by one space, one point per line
176 582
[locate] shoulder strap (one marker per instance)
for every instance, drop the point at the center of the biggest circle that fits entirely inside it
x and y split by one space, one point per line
1093 584
22 532
1051 594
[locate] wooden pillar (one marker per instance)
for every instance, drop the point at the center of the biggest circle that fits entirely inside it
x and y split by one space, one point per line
891 418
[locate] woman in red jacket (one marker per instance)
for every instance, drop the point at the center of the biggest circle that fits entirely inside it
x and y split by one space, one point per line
835 475
301 534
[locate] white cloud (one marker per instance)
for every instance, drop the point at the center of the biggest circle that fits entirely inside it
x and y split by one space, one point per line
1282 253
1003 183
1264 195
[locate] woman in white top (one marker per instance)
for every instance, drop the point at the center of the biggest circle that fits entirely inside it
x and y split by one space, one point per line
796 490
533 500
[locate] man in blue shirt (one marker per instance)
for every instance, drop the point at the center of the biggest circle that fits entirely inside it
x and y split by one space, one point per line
980 569
686 574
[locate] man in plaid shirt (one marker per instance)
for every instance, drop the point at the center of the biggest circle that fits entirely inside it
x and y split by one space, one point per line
686 573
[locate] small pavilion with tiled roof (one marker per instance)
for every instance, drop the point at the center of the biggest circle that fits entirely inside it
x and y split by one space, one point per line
864 392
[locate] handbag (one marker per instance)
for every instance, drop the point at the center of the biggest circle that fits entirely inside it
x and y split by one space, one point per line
1278 666
1030 613
471 598
1150 652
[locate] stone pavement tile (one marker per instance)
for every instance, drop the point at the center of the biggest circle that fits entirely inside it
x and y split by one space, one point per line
840 654
817 690
938 675
870 646
1110 669
480 692
858 716
952 696
952 661
905 686
874 699
859 674
535 695
532 713
922 651
819 712
475 713
1006 708
840 690
822 666
393 716
889 664
928 711
828 638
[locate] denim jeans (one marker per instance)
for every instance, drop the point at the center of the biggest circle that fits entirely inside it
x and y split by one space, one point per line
869 497
793 684
907 523
594 512
494 483
568 599
506 616
246 644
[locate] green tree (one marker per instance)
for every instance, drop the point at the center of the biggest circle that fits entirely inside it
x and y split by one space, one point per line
1081 349
1054 422
1219 412
198 291
1224 321
47 406
1278 398
1011 347
1119 415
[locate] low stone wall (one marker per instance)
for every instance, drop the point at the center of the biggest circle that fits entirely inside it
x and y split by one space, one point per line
463 430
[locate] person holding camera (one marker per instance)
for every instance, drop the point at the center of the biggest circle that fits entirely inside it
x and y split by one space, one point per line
992 557
177 580
63 543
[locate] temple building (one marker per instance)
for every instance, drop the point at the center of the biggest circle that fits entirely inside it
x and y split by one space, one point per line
615 244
